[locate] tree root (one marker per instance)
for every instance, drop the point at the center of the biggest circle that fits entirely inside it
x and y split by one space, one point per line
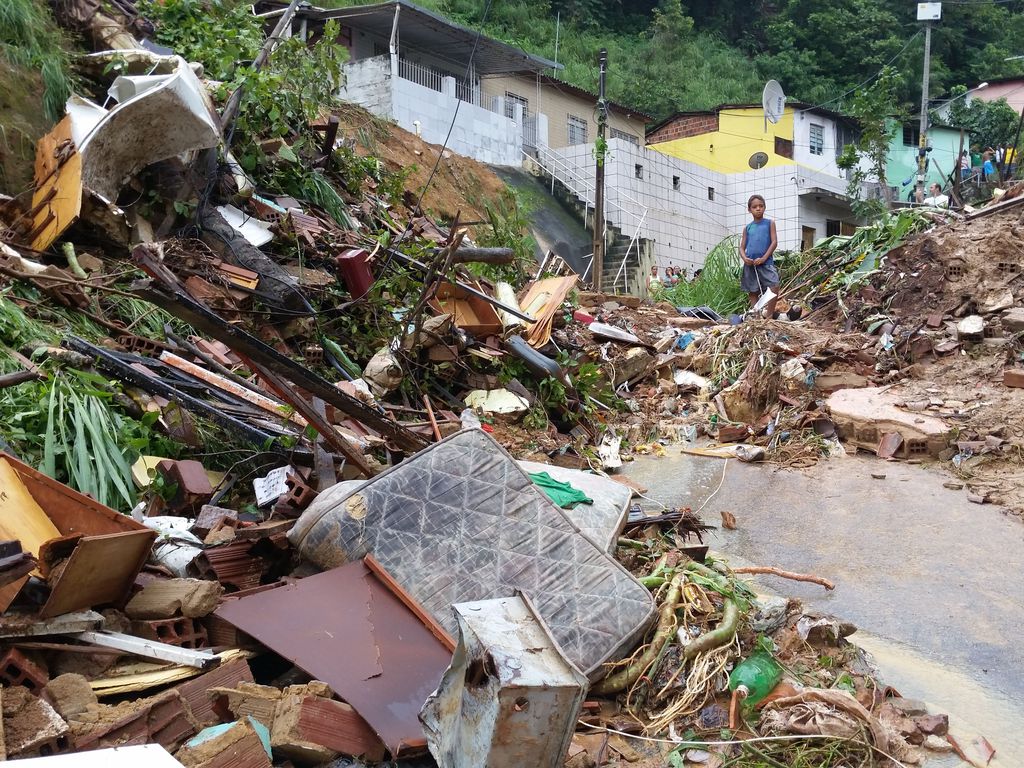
621 680
787 575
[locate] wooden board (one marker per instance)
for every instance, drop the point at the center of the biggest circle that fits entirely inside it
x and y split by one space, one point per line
57 200
70 511
21 516
100 571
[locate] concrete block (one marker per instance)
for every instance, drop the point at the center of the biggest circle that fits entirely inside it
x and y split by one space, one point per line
70 694
862 416
1013 320
167 598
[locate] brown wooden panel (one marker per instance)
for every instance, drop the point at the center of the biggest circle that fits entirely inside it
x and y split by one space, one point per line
70 511
101 570
57 200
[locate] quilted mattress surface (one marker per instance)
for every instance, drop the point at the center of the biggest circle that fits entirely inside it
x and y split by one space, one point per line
461 521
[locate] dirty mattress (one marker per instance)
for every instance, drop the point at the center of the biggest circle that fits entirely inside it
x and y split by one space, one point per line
461 521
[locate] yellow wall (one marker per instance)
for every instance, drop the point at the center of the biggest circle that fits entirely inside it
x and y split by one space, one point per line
741 133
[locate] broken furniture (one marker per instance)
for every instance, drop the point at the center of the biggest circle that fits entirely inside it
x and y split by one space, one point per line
101 550
461 521
346 628
510 698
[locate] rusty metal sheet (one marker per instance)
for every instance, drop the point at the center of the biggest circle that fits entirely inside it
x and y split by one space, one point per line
346 628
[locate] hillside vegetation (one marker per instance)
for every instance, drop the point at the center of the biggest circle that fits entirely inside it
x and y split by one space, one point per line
693 54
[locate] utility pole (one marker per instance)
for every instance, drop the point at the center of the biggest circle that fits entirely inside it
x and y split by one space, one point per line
600 150
926 12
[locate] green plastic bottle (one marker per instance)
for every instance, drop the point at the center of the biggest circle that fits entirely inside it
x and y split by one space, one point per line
757 675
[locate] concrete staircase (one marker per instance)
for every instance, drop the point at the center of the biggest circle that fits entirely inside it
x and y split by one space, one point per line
576 196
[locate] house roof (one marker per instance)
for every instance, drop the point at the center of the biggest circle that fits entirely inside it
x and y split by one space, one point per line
429 31
998 80
798 105
582 93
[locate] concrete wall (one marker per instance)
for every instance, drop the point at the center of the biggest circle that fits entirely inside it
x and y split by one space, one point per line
690 209
557 104
368 84
741 132
826 161
478 133
902 161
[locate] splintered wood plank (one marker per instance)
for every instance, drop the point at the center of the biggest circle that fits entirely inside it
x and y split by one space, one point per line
57 200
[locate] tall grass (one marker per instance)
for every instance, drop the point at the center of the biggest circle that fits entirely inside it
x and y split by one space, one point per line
717 287
29 37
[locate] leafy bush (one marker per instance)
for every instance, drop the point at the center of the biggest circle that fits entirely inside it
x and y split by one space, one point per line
292 89
717 287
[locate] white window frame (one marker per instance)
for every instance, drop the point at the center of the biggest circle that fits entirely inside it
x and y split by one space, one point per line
511 99
574 127
816 135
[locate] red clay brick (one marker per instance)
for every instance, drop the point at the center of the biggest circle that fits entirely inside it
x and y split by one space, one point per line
17 669
182 632
1013 377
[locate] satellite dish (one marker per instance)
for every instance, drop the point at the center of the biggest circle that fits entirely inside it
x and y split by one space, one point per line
758 160
774 101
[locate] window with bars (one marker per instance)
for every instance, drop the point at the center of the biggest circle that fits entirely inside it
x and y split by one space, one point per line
817 139
911 135
577 133
511 99
617 134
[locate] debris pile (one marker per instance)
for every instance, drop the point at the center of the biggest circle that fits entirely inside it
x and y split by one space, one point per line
350 431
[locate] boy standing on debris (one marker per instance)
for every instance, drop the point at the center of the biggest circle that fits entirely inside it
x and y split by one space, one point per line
757 245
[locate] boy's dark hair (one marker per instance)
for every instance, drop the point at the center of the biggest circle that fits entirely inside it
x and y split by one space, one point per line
750 202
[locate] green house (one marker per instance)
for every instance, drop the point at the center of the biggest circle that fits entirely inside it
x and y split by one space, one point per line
901 165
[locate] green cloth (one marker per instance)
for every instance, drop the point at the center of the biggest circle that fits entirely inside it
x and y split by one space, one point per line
563 494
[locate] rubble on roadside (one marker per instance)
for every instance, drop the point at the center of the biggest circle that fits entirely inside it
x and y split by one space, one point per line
316 572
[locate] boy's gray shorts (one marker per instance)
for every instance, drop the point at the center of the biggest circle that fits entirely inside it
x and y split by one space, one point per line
759 279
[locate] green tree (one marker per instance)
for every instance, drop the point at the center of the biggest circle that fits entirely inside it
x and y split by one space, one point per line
878 112
989 123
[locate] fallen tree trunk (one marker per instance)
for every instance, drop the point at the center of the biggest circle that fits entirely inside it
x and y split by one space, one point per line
468 253
276 286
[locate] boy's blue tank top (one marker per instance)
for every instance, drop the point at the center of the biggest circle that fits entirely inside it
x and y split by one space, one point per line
759 237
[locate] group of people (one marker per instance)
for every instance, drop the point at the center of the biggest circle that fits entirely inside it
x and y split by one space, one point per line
673 276
990 162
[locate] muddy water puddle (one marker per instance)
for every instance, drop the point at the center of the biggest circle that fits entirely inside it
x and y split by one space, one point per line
973 708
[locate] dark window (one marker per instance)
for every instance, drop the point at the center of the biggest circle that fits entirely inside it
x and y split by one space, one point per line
638 171
784 147
833 227
675 183
711 193
911 135
511 99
